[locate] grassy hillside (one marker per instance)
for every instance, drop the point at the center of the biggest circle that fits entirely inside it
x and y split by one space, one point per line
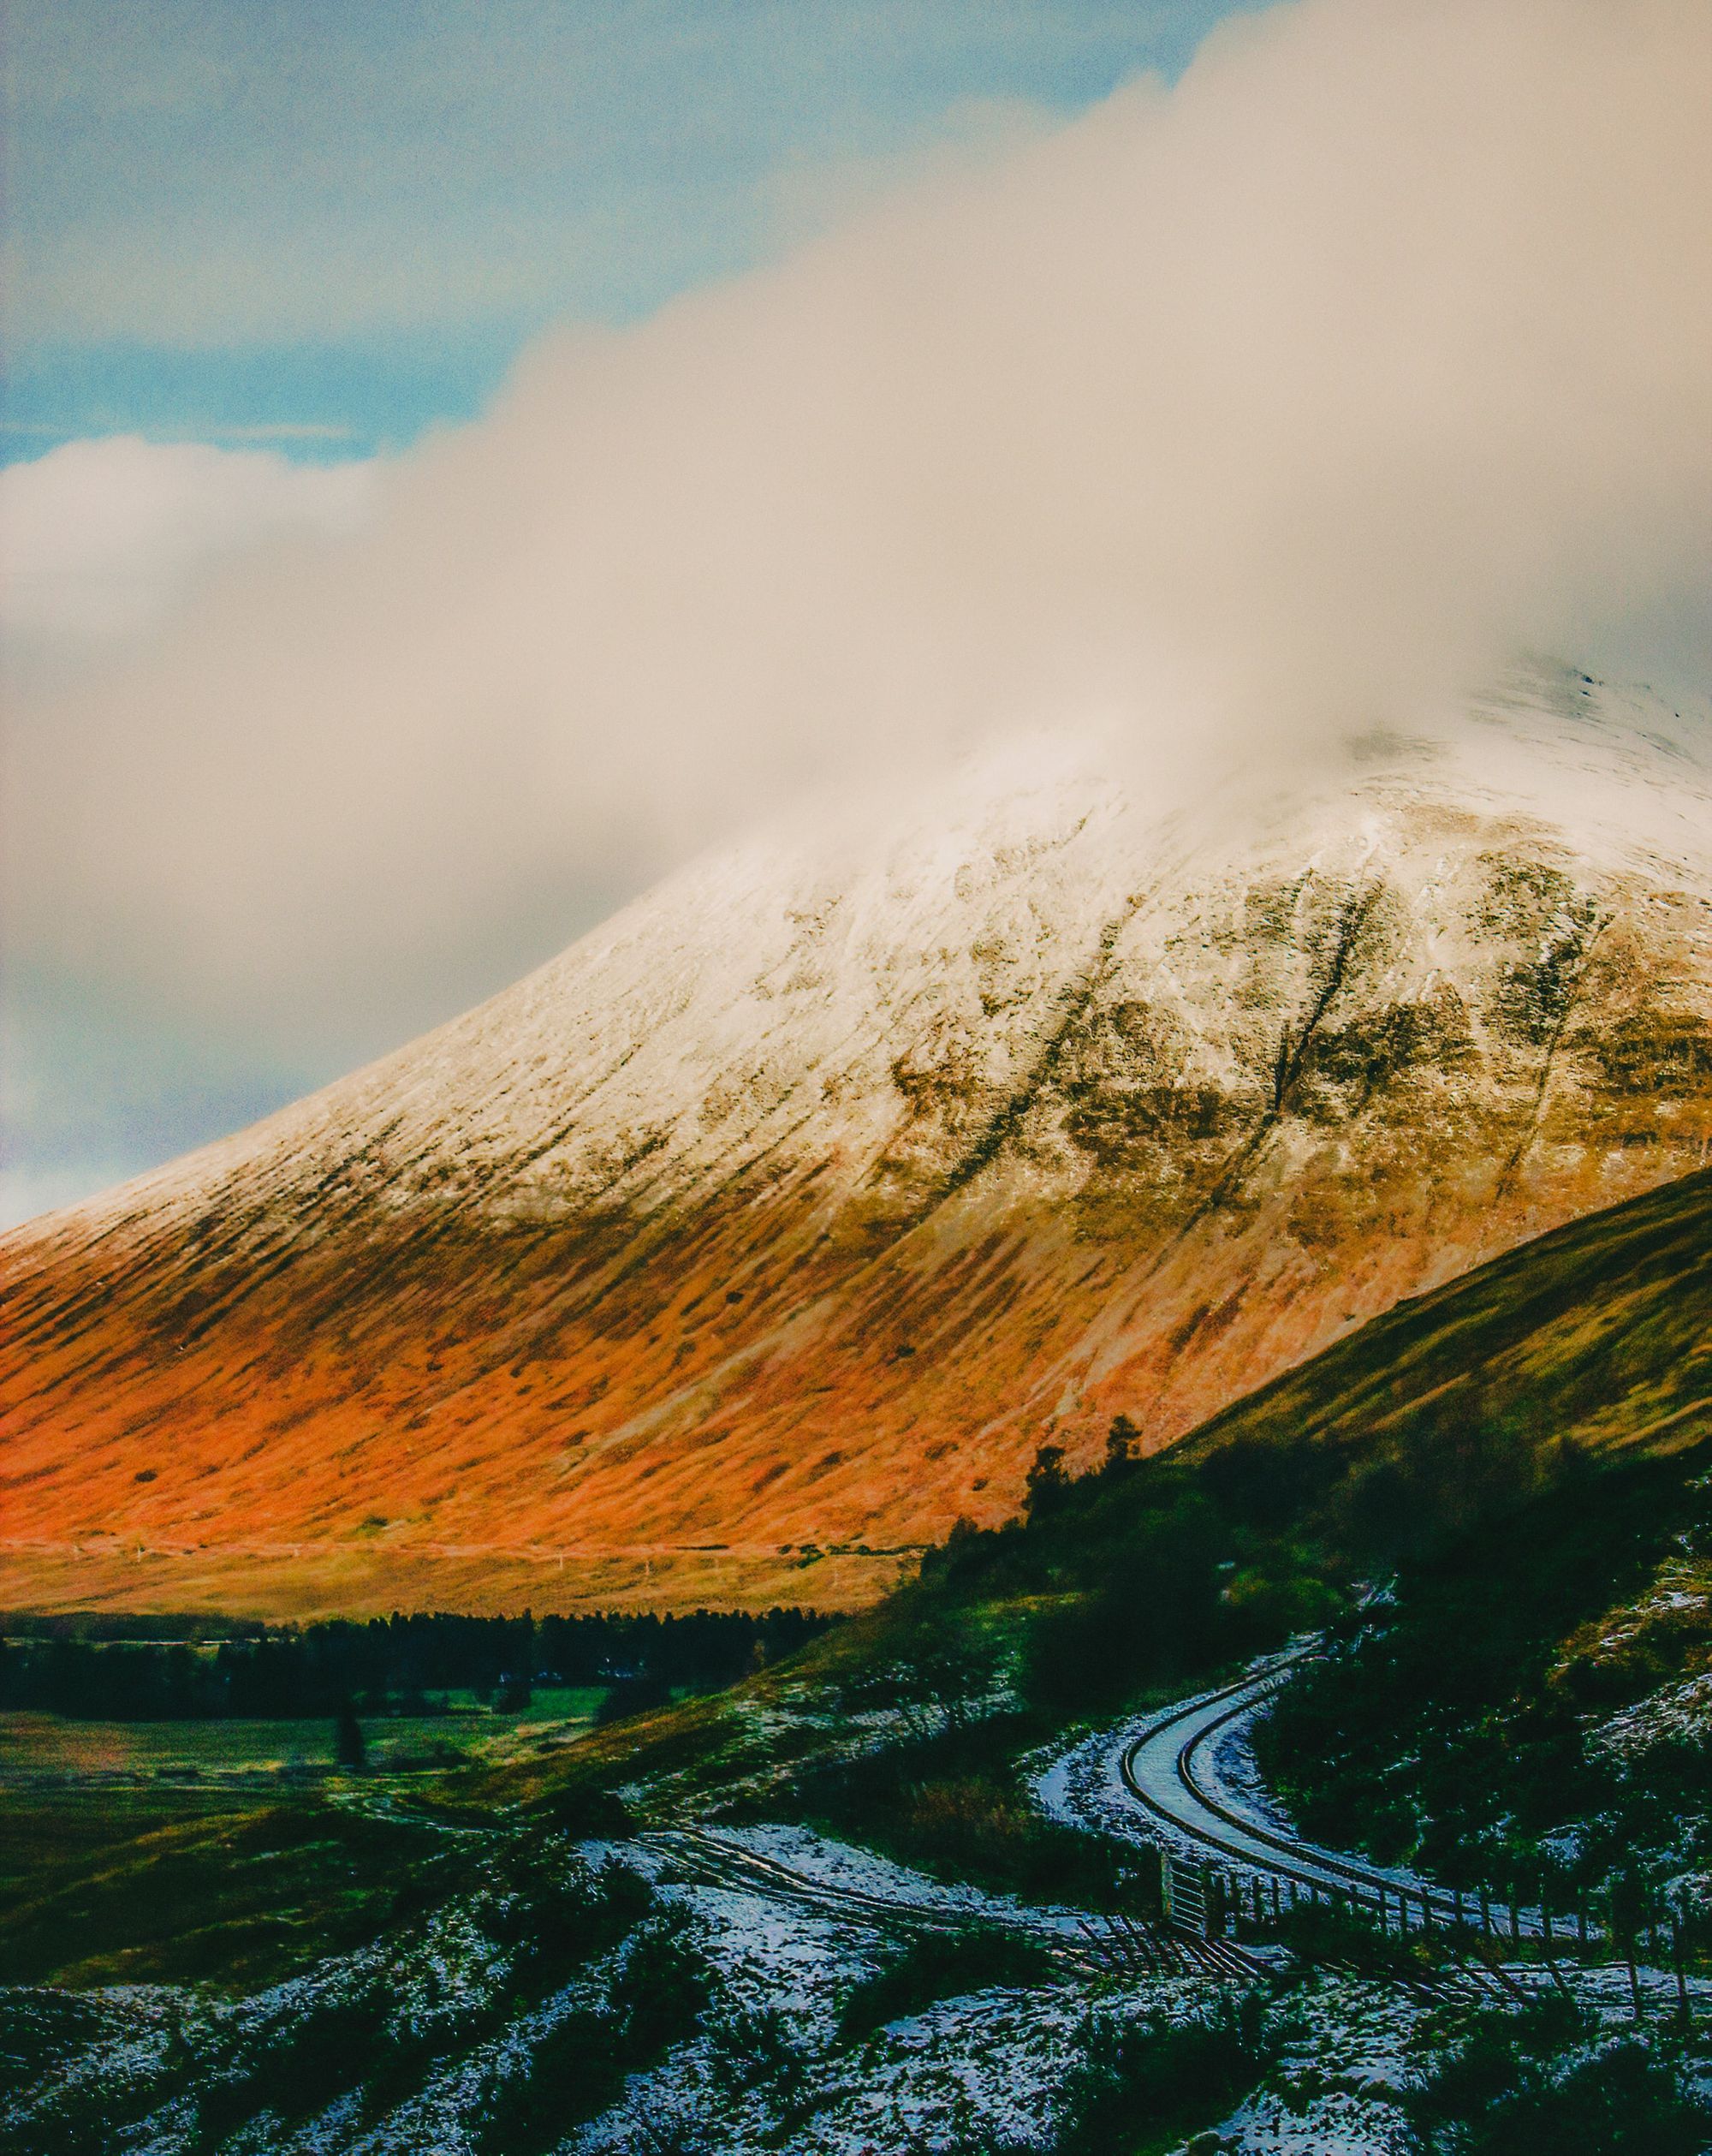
1601 1333
110 1886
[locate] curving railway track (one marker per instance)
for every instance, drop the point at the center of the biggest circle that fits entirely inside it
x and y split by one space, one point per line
1219 1848
1085 1944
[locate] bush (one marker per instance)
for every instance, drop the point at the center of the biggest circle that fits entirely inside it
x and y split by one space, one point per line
48 2106
68 2121
1320 1933
664 1984
1141 2082
633 1695
1156 1617
587 1813
951 1803
577 2067
944 1965
1545 2082
294 2068
575 2070
754 2047
350 1747
557 1915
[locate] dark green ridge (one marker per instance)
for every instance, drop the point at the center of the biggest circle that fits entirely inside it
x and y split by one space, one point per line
1601 1331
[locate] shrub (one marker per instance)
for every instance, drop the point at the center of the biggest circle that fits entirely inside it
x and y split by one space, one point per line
1321 1933
1142 2081
557 1915
577 2067
1545 2082
754 2047
633 1695
663 1985
294 2068
572 2071
587 1813
938 1965
1156 1615
952 1803
350 1747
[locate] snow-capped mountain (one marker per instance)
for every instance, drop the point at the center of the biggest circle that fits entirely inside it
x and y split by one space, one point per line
800 1203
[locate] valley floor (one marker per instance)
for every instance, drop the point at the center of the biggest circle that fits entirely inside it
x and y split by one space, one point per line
701 1990
352 1579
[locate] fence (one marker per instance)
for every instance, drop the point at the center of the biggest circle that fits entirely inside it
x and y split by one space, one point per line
1207 1898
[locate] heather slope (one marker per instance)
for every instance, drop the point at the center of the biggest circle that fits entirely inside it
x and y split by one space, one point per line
1599 1334
791 1211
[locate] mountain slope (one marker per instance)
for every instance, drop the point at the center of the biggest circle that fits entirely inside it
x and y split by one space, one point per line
798 1204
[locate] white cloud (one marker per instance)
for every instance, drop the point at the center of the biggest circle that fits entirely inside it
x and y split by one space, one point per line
98 538
1377 347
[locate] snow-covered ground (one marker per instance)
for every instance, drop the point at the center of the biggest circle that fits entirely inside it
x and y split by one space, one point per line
771 2063
844 1869
1334 2090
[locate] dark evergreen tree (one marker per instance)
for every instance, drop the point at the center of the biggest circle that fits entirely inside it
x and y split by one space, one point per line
350 1747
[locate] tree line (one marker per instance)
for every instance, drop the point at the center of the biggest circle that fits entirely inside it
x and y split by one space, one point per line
400 1664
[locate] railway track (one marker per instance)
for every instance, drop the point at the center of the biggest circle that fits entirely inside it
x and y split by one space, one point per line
1097 1945
1164 1771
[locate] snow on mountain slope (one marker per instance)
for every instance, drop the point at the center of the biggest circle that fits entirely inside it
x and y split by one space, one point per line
799 1204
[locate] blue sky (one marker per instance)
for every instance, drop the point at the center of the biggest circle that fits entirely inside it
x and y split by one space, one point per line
325 225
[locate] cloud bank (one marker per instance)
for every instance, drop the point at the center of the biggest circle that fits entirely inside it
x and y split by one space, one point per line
99 539
1289 399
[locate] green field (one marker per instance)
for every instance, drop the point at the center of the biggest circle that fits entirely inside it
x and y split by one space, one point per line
230 1851
43 1751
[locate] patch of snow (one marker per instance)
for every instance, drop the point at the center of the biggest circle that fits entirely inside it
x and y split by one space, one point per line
848 1869
1679 1713
1334 2090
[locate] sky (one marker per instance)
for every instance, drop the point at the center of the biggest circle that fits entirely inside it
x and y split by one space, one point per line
461 461
328 227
